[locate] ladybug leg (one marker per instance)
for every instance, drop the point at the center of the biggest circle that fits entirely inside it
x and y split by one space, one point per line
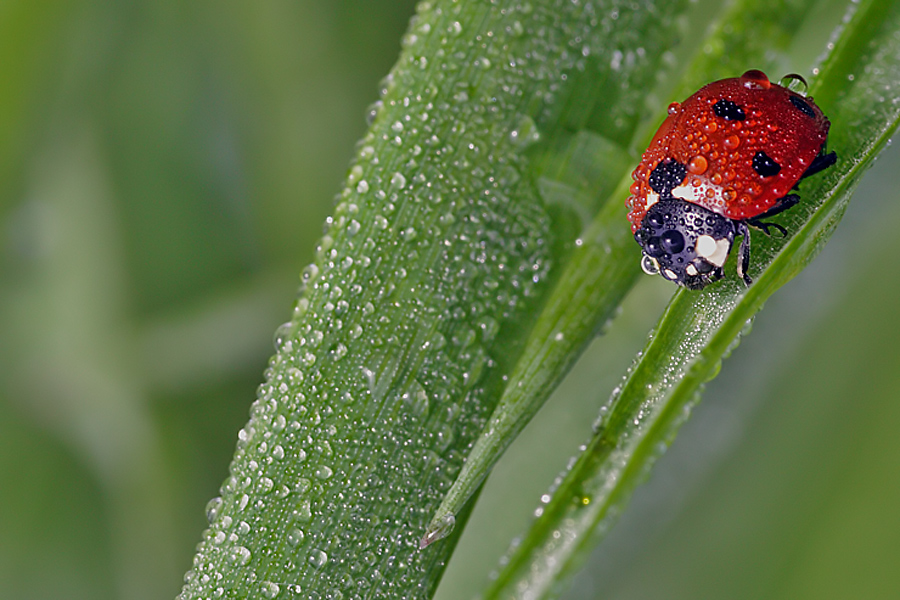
744 252
767 226
820 163
781 205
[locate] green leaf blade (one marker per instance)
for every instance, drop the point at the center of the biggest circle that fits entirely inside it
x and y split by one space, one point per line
395 353
699 329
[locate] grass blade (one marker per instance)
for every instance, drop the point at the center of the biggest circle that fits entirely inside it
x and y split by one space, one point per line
698 329
423 289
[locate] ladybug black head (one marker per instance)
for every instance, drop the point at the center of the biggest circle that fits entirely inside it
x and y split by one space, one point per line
685 242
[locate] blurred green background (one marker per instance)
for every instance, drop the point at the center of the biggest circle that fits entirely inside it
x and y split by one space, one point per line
165 170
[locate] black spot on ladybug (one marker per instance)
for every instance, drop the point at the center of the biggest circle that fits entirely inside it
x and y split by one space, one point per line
801 105
765 165
668 174
729 110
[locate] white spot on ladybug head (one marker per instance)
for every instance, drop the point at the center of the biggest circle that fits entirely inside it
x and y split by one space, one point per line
706 246
670 274
691 270
652 198
713 250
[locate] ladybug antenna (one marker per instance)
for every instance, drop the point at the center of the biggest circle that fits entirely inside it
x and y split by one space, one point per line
795 83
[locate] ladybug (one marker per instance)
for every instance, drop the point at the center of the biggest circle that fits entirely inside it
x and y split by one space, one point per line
726 158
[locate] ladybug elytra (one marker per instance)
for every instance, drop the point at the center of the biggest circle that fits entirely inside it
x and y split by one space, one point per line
726 158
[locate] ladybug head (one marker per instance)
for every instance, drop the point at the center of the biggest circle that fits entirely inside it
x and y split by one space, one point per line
684 242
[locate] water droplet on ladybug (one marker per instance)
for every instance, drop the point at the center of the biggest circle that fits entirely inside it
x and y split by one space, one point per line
649 265
754 79
672 242
674 108
698 165
795 83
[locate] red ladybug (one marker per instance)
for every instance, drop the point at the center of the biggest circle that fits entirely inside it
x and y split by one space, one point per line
725 158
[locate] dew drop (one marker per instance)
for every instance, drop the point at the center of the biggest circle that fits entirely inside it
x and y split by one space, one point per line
240 555
372 112
295 536
524 133
295 376
212 509
303 512
318 558
302 486
489 328
398 181
282 334
270 590
417 398
301 307
339 352
309 273
355 174
698 165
